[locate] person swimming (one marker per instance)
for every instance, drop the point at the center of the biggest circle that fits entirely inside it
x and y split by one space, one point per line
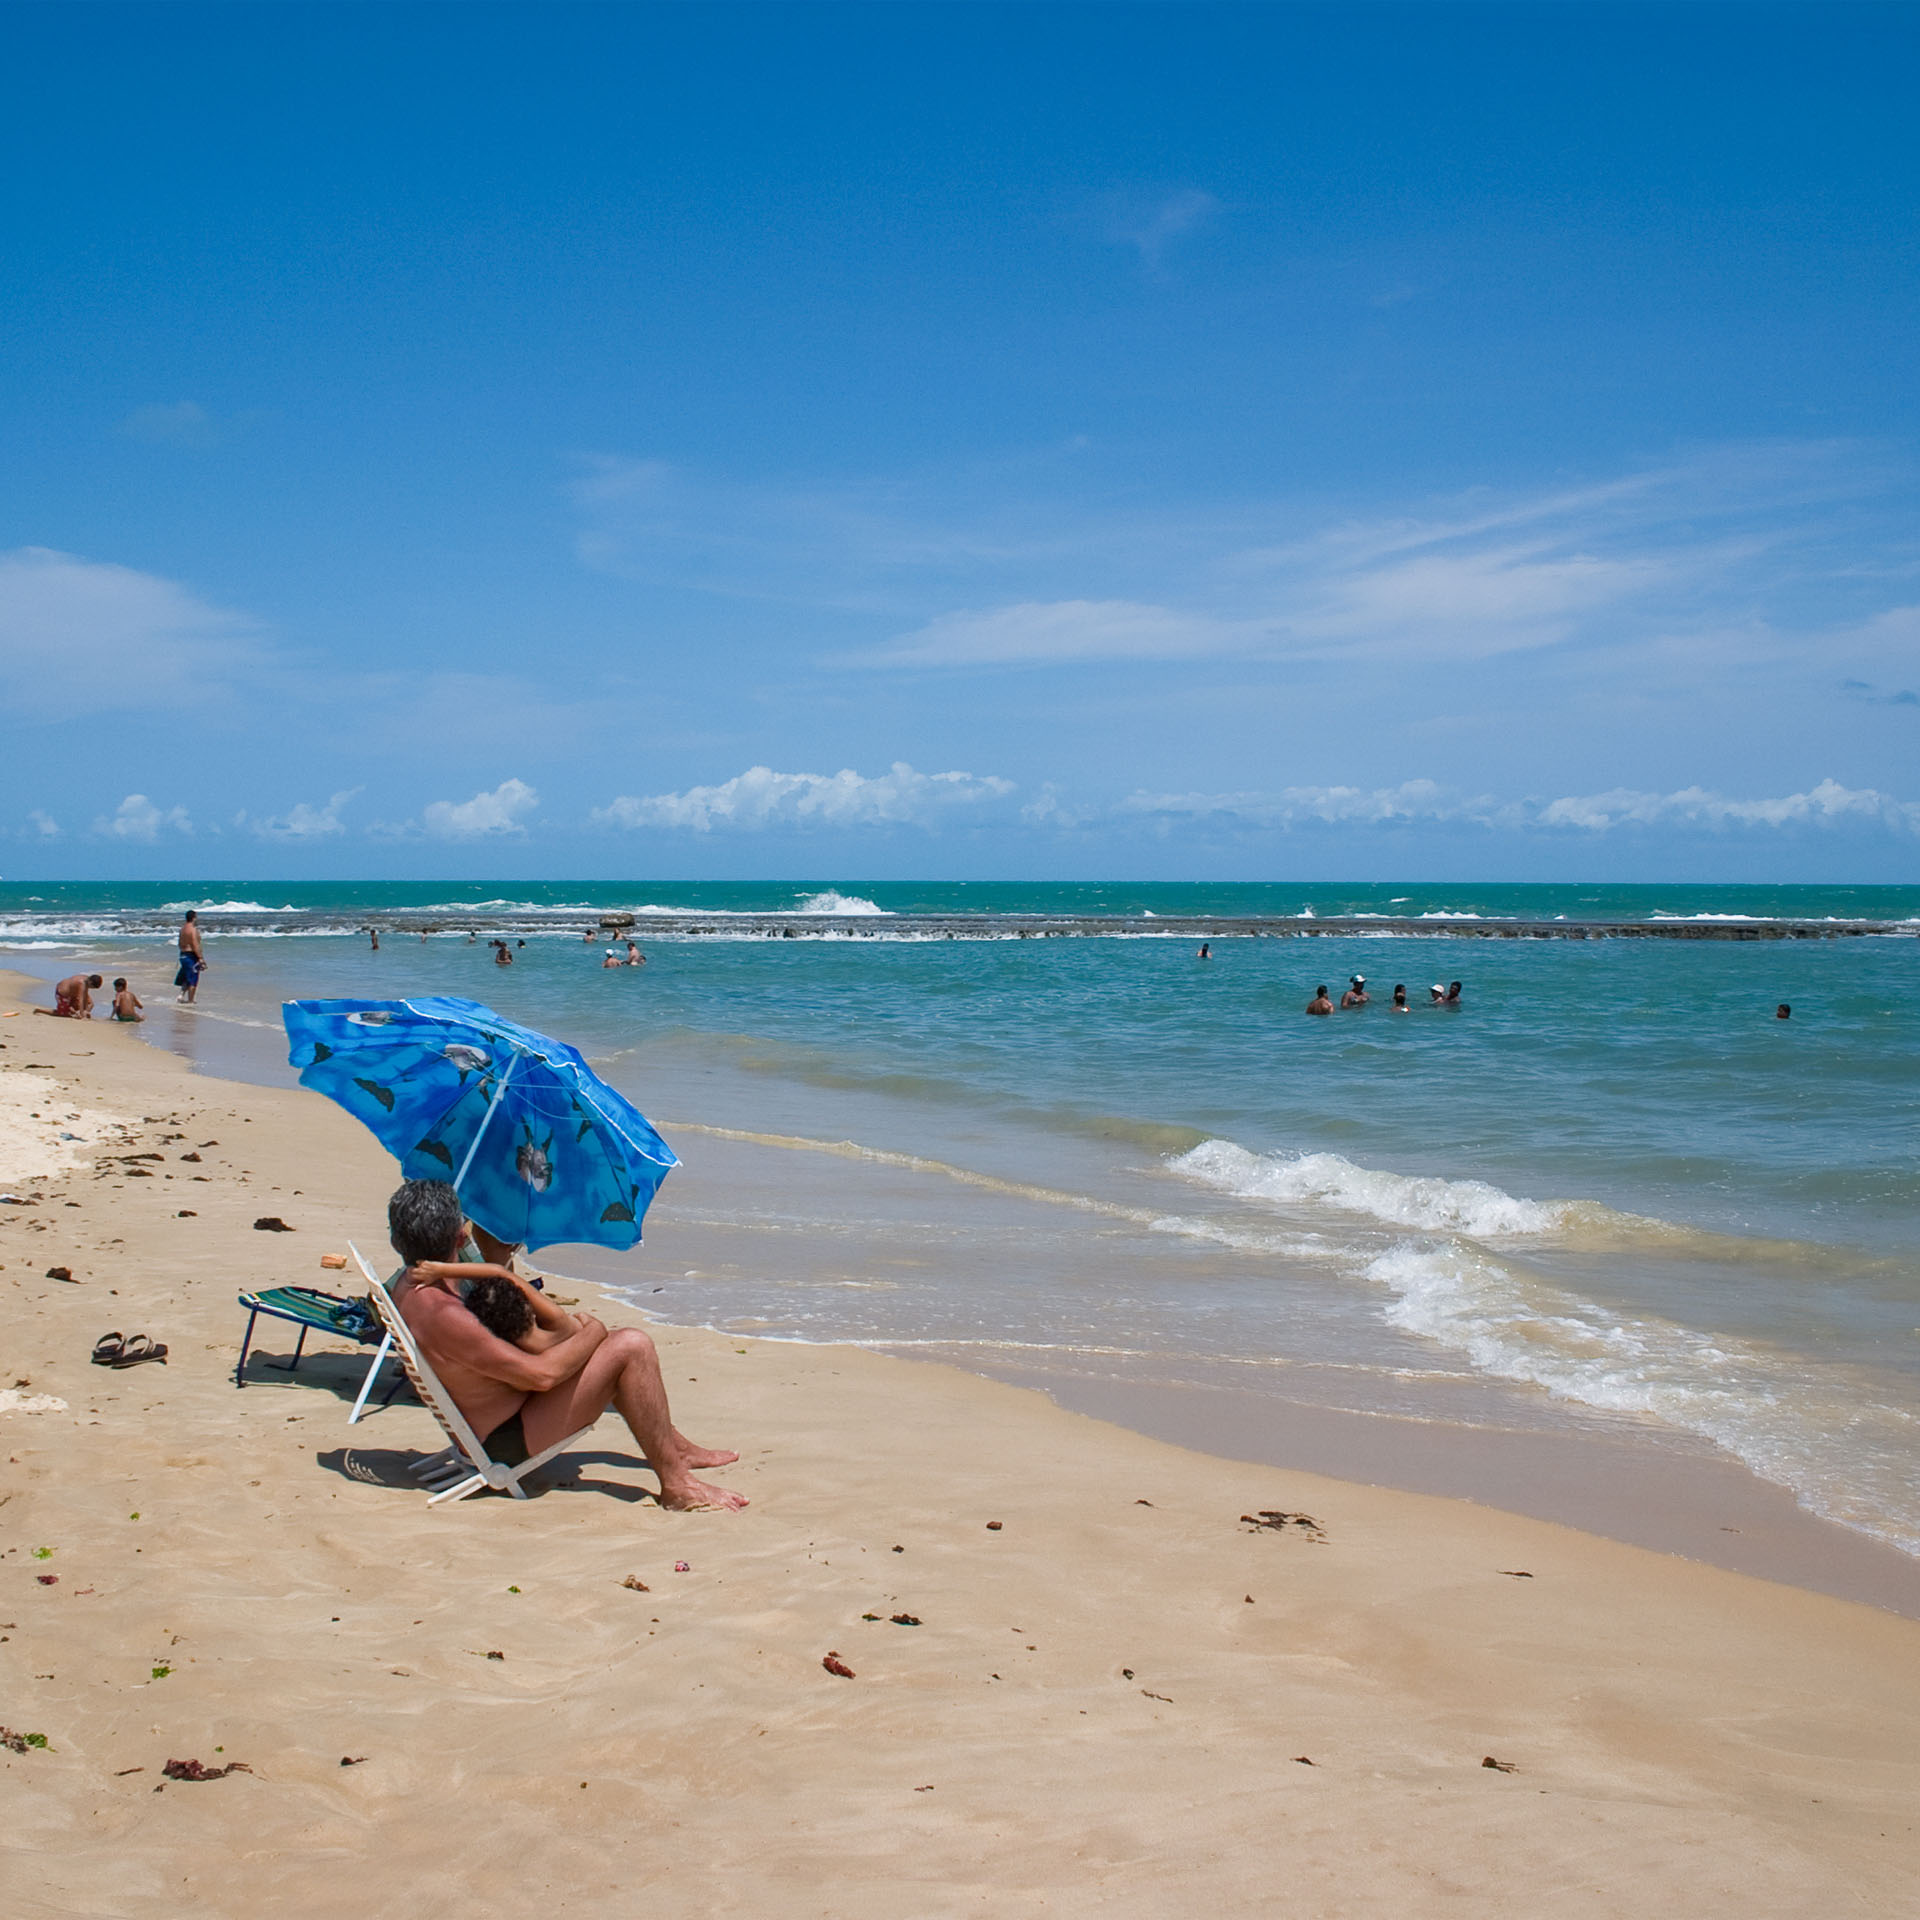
1319 1004
1399 999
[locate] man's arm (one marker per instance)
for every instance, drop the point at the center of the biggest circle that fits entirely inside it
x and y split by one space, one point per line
455 1338
546 1313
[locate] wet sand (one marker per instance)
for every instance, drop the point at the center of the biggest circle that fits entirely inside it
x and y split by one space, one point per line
1121 1699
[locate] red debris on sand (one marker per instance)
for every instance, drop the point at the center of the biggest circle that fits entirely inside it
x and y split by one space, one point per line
193 1770
680 1566
48 1579
993 1526
834 1664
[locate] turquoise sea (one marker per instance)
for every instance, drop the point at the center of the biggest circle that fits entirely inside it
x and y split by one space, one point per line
1611 1189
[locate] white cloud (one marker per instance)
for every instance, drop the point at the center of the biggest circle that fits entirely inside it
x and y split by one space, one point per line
303 820
1036 633
78 636
137 818
486 814
1828 804
44 824
183 422
761 798
1298 806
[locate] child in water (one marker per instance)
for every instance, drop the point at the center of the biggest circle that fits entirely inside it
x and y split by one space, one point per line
126 1003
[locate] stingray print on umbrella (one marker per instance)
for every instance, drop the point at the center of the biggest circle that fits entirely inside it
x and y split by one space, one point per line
541 1149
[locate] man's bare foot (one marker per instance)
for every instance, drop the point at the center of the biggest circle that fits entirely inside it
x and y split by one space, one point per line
697 1496
709 1457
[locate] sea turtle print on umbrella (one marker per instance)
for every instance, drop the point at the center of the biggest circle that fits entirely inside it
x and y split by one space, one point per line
542 1149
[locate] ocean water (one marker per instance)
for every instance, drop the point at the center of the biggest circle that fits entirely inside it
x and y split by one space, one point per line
1610 1189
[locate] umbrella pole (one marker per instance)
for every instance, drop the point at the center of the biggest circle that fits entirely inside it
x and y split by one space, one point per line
498 1092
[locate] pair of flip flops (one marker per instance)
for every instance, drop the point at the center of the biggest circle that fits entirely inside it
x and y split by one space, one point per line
130 1350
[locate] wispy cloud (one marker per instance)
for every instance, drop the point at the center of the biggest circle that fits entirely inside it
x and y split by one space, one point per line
303 820
80 636
1738 551
1036 633
138 819
1151 223
183 423
485 816
760 799
44 824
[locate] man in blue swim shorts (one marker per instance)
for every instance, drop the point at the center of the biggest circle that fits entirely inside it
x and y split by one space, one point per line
192 959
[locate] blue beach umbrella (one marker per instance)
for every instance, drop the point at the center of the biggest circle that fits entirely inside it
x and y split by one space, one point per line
541 1149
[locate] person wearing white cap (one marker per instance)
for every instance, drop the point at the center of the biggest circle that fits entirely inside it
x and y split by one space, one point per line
1439 994
1356 993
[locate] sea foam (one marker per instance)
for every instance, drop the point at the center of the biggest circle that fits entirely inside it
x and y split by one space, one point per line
1401 1200
1811 1427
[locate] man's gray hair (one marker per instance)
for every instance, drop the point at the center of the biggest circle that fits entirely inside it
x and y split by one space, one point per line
425 1221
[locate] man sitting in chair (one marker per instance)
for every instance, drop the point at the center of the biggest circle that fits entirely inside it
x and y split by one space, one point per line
586 1369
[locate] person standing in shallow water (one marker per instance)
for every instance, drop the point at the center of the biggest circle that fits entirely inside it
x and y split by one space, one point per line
1400 998
1319 1004
193 958
1356 994
1783 1011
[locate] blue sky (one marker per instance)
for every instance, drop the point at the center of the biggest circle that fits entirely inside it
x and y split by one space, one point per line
1424 441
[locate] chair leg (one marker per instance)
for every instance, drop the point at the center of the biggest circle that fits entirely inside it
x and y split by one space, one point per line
366 1385
246 1341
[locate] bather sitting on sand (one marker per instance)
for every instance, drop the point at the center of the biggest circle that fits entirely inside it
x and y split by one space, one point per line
583 1371
72 998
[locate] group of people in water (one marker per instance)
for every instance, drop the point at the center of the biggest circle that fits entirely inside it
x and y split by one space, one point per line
1357 995
635 958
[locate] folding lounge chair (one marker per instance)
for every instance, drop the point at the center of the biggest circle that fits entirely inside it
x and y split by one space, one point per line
465 1466
311 1310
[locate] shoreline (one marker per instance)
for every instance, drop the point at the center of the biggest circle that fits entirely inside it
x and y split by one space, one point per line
1626 1479
1114 1700
1621 1478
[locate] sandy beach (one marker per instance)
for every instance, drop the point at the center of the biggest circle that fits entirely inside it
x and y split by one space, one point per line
498 1701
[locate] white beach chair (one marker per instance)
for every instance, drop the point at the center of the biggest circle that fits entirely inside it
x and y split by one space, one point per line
465 1466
